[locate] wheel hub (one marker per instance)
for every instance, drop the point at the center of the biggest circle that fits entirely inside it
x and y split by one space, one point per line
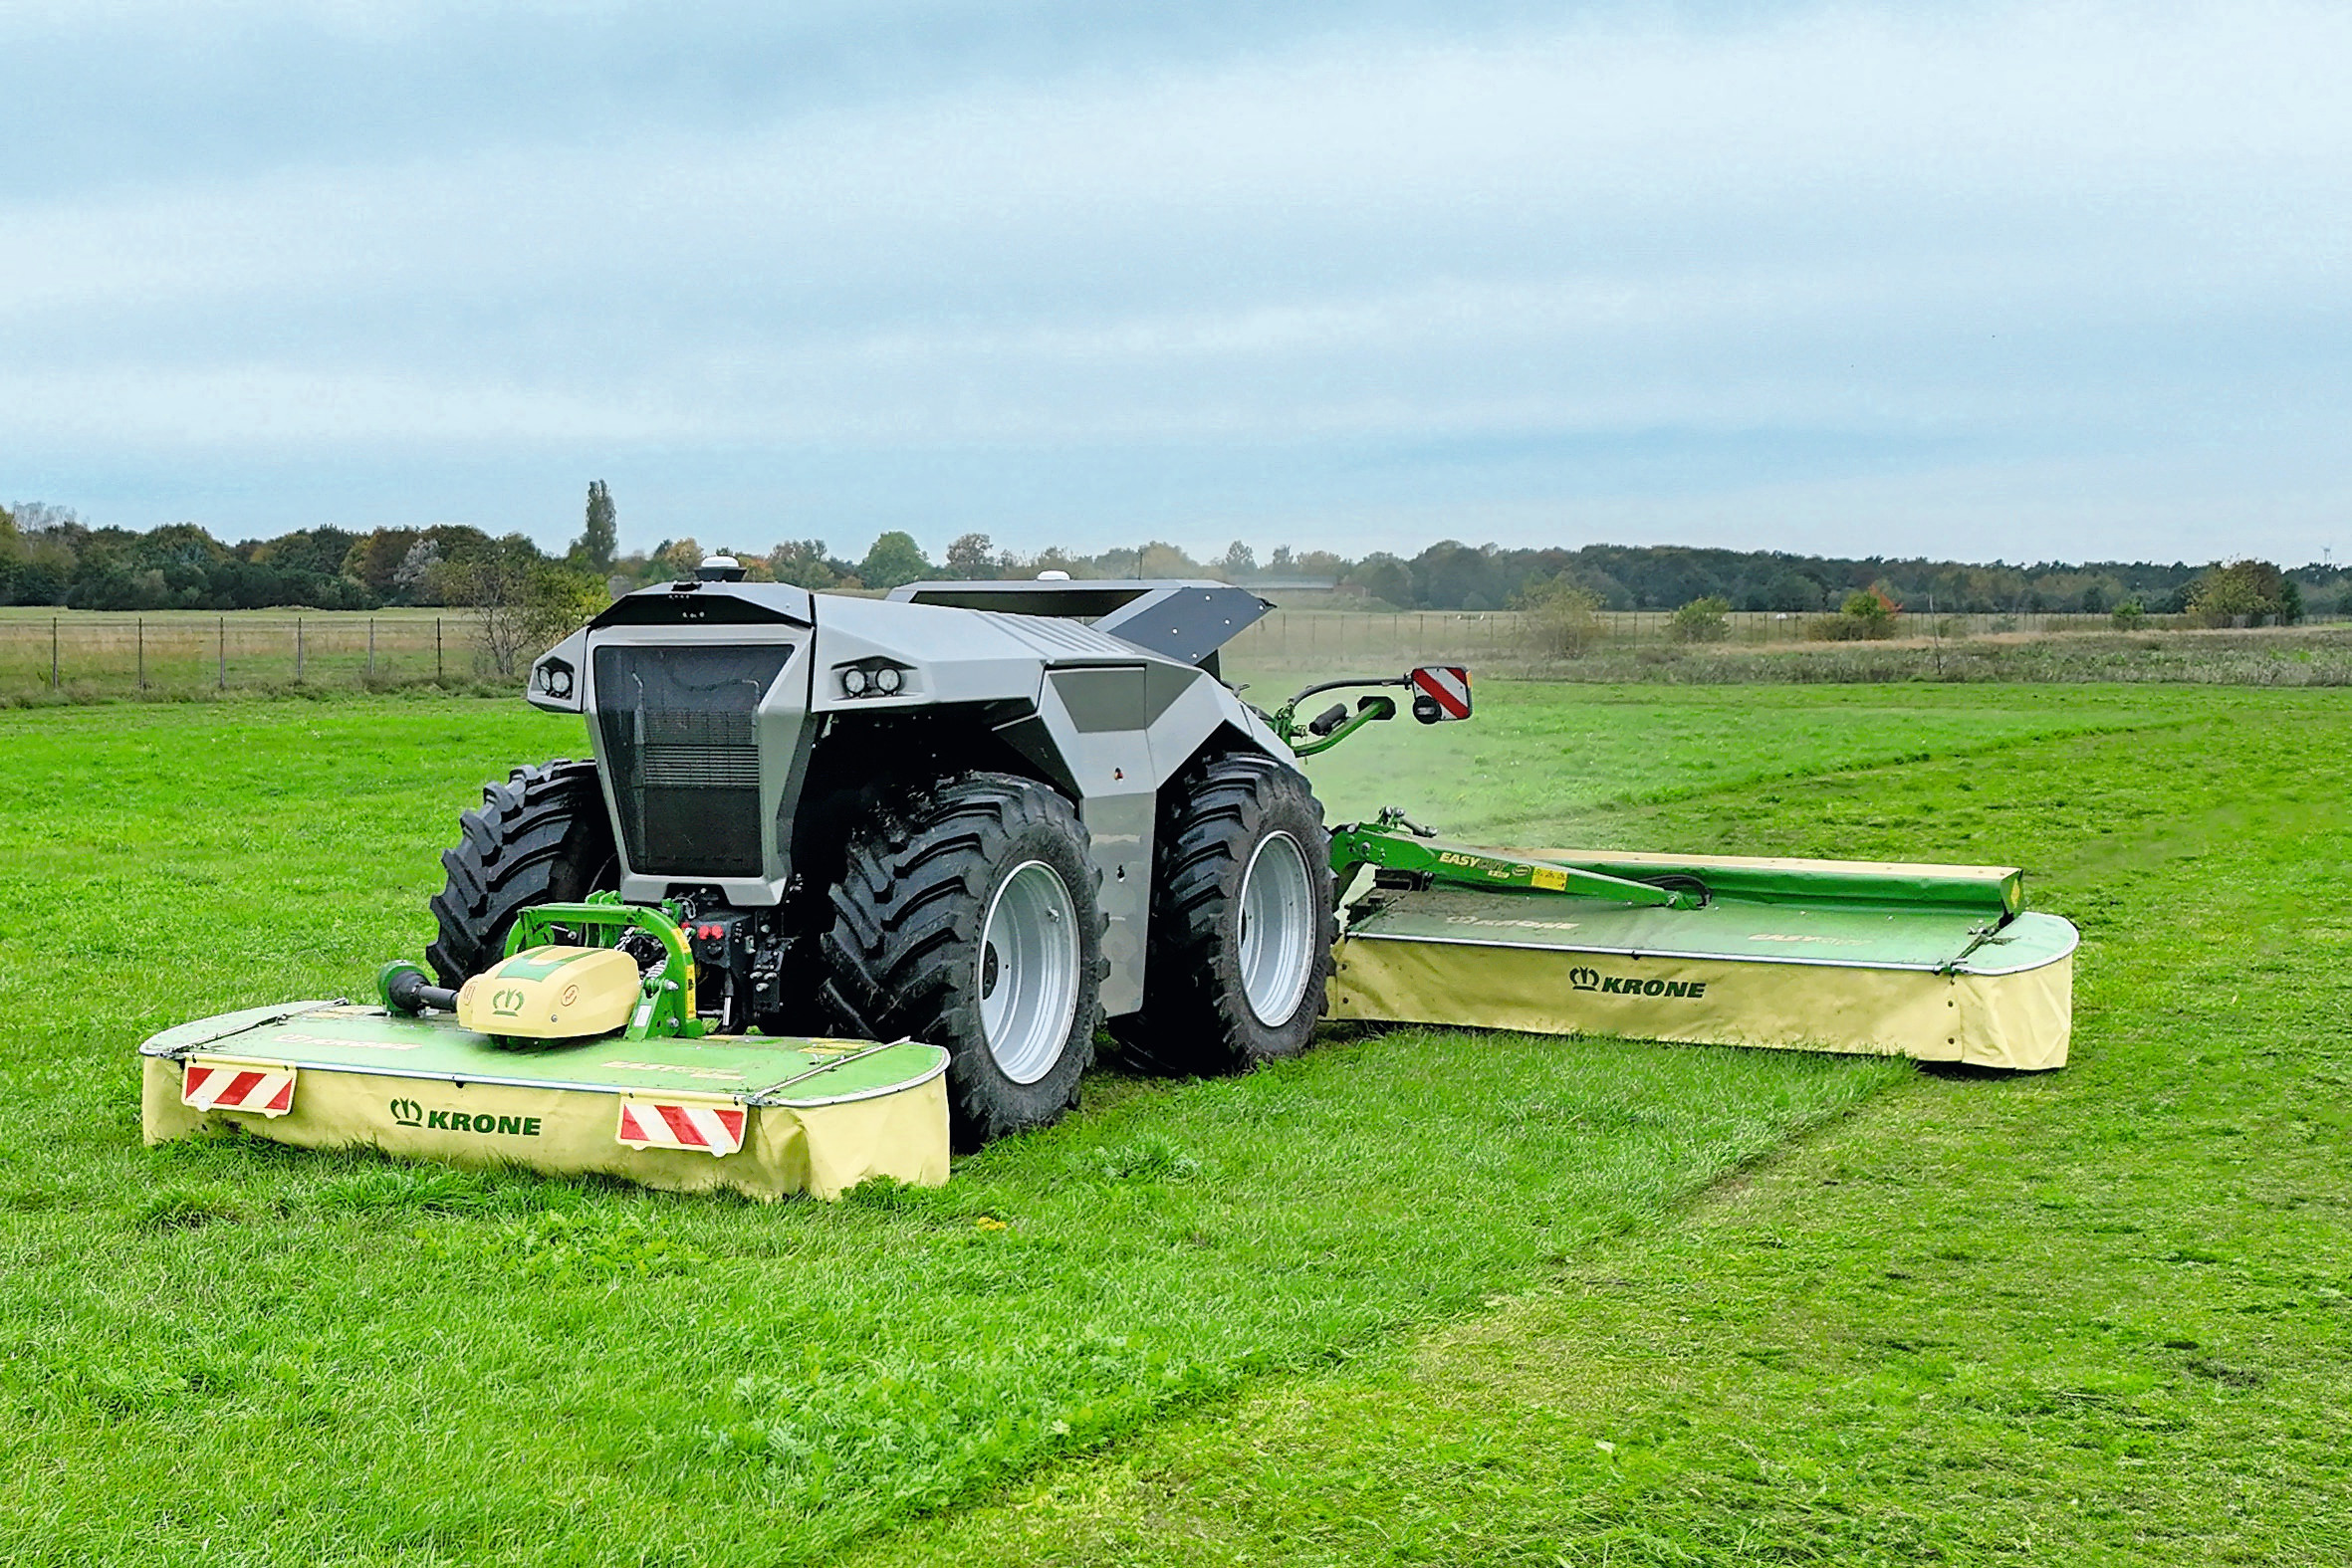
1276 933
1029 972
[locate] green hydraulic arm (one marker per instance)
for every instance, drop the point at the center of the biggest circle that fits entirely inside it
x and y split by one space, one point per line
1336 724
1395 842
1307 736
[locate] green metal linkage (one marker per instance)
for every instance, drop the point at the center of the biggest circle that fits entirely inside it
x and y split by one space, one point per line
1300 736
1394 843
665 1006
1997 893
1355 721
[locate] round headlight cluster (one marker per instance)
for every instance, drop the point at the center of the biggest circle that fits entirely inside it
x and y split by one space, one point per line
882 680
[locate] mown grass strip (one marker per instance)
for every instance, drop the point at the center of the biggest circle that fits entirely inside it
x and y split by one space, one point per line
1539 756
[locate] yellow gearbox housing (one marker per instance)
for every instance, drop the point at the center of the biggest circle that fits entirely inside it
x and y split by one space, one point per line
551 994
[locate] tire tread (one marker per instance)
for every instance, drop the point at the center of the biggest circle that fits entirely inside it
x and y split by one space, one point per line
540 836
913 888
1195 1017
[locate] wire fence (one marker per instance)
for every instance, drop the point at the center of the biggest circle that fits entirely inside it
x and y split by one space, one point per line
129 655
97 654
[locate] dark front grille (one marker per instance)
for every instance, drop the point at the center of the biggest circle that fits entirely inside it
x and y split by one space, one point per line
680 747
701 768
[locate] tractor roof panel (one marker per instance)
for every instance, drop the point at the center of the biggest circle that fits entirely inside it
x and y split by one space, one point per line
710 604
1055 639
1182 621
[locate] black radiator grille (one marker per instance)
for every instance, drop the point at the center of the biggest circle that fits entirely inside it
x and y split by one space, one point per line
690 767
677 727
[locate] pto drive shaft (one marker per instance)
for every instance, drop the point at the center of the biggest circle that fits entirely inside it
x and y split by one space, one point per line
404 987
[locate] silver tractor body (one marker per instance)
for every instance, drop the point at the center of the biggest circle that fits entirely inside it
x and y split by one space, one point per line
736 724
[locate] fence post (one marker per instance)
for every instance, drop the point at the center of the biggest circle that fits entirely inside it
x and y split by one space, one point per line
436 648
298 651
371 647
224 654
53 653
142 654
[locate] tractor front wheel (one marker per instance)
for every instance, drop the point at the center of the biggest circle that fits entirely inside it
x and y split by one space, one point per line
1239 956
541 837
967 917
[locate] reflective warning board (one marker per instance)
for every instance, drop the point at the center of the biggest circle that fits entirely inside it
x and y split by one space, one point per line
1441 692
213 1083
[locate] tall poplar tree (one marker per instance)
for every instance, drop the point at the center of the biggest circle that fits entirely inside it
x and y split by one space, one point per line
597 543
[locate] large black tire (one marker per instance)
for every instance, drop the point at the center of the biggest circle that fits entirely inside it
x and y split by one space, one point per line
905 955
541 837
1224 822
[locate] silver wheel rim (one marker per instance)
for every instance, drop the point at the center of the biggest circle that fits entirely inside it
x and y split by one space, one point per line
1029 972
1277 928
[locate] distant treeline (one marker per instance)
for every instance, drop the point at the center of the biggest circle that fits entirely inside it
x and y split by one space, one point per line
47 556
50 556
1451 575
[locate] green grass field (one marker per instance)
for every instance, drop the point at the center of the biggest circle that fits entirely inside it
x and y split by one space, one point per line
1414 1297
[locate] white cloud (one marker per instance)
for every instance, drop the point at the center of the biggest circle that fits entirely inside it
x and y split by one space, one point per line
2066 234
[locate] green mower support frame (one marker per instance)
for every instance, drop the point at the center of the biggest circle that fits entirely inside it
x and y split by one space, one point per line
1394 842
665 1007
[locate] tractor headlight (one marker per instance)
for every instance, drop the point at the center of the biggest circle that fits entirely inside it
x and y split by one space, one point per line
872 678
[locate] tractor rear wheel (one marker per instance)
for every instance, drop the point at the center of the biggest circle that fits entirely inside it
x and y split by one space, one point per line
967 917
541 837
1239 953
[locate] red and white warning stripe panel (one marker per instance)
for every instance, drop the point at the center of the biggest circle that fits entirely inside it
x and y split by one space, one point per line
703 1126
214 1084
1447 685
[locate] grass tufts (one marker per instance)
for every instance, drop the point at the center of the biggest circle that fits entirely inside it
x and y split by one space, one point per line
399 1189
186 1208
1147 1157
569 1246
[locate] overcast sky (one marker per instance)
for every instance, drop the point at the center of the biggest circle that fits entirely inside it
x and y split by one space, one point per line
2025 281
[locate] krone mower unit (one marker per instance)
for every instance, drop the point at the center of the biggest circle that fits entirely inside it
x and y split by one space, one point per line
1941 963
